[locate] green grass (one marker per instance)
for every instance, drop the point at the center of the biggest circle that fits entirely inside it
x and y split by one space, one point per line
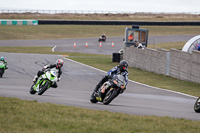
18 116
168 46
84 31
104 62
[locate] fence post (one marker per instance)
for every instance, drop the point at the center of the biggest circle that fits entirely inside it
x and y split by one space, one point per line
167 63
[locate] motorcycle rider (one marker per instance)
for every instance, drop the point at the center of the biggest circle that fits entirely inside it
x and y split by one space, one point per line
4 61
58 65
119 69
103 36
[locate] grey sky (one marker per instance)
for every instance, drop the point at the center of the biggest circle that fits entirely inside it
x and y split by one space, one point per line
105 5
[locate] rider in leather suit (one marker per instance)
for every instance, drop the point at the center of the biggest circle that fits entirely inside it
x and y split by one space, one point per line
120 69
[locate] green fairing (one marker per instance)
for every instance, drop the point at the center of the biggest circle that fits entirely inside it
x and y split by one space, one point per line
2 66
38 82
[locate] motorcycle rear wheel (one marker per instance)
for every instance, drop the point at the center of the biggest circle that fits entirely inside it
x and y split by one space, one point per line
197 106
1 73
44 88
110 95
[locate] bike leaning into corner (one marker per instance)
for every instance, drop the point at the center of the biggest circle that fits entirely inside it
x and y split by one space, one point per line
44 82
47 78
109 90
197 106
3 66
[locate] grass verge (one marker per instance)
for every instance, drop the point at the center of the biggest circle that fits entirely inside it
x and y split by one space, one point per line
85 31
18 116
104 62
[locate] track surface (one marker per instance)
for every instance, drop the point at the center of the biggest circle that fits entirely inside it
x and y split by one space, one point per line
78 82
66 45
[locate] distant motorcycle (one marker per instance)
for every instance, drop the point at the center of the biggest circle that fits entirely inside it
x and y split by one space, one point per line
2 68
44 82
102 39
116 84
197 106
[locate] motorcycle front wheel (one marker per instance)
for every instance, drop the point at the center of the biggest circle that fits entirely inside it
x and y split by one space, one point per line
32 91
93 98
197 106
43 88
110 95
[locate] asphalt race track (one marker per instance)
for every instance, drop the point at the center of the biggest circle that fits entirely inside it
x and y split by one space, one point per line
67 45
78 82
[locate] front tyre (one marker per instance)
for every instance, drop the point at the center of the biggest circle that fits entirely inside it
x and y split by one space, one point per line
32 91
43 88
93 98
197 106
110 95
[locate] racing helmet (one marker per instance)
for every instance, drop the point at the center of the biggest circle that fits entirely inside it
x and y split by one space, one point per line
123 65
59 63
2 58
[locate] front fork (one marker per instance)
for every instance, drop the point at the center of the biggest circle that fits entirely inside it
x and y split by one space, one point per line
36 86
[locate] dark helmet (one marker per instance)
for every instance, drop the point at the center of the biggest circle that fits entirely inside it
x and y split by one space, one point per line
59 63
123 65
2 58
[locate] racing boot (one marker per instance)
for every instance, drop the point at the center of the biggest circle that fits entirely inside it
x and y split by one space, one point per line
97 87
35 79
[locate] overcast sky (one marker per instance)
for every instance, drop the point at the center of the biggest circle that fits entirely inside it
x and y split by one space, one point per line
105 5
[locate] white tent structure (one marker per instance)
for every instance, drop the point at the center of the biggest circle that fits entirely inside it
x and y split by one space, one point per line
192 44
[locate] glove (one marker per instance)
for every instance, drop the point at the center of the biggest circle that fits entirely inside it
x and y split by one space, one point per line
121 91
44 68
109 76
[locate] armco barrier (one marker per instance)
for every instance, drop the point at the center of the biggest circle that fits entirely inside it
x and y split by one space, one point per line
81 22
18 22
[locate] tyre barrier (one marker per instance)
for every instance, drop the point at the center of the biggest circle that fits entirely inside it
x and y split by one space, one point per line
18 22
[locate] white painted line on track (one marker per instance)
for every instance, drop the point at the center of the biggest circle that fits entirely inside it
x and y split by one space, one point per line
53 48
134 81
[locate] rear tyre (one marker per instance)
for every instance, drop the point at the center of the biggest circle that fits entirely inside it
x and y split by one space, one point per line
43 88
32 91
1 73
197 106
93 98
110 95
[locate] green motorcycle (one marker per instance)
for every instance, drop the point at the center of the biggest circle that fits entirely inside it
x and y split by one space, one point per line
44 82
2 68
